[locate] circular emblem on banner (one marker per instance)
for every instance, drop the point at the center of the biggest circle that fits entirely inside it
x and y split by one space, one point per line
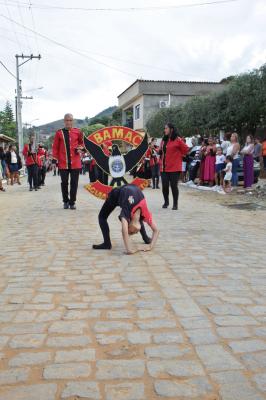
117 166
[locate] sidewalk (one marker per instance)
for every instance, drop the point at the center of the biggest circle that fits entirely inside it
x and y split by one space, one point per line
186 321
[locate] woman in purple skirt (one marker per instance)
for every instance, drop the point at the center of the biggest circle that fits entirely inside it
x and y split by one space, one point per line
248 163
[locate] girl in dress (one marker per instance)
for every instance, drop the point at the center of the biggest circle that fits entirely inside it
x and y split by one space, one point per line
228 174
248 163
209 165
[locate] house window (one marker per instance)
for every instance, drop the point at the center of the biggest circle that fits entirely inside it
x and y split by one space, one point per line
137 112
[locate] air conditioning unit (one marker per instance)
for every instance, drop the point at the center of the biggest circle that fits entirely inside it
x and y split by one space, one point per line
164 104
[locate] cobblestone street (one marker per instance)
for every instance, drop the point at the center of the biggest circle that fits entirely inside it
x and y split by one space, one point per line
185 321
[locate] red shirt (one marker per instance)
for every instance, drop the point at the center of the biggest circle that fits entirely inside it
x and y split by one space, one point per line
152 154
41 156
64 148
146 215
172 153
29 159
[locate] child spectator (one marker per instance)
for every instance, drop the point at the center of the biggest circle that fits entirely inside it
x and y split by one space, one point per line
228 174
219 166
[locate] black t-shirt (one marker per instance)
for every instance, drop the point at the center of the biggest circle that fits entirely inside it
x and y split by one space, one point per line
126 197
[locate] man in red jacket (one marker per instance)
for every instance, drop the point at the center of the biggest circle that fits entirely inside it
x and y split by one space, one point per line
67 143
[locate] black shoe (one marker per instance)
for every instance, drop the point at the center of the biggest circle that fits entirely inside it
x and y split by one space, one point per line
165 205
66 206
174 208
36 189
157 187
72 207
103 246
30 189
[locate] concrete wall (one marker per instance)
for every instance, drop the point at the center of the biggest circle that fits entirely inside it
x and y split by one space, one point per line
138 123
126 98
149 94
152 102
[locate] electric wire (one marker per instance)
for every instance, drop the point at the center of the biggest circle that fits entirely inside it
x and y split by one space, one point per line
69 48
14 76
126 9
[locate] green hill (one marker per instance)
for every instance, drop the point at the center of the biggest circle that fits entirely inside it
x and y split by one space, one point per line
51 127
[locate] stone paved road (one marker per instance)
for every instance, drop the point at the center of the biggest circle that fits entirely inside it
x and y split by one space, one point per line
187 321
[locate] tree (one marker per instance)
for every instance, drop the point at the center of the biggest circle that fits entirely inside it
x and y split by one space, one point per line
92 128
7 122
241 107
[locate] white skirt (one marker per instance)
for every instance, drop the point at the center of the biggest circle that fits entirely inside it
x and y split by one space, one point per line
228 176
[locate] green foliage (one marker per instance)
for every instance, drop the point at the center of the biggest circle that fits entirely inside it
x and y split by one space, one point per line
92 128
241 107
7 122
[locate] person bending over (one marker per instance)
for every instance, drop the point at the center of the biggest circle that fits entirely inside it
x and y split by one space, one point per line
134 212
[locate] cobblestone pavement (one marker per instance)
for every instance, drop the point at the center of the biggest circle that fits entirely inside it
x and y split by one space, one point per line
186 321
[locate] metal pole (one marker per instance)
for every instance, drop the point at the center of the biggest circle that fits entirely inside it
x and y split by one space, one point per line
19 106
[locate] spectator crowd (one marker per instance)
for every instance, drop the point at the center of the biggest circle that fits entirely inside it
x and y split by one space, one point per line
208 162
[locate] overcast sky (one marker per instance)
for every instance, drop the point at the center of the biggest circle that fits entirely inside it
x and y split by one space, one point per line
203 43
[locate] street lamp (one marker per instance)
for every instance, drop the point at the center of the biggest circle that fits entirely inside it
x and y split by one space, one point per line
34 89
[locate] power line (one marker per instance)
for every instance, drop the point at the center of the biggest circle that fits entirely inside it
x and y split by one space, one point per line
13 30
126 9
130 62
33 24
67 47
22 21
14 76
36 42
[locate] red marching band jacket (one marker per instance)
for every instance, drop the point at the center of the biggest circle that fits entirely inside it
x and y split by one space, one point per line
30 159
41 156
152 154
171 156
59 150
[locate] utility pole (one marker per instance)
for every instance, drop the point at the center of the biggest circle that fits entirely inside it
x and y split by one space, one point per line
19 97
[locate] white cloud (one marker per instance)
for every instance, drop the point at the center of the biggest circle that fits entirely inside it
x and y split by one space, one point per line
205 43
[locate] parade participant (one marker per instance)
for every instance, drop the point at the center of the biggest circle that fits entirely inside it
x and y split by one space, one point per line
172 150
30 154
42 157
153 156
134 212
66 146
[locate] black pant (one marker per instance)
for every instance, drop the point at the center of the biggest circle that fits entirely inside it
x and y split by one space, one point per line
193 171
155 173
74 180
92 173
43 174
108 207
102 176
33 175
170 179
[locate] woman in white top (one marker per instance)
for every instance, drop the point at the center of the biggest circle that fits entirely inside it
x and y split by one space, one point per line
14 164
233 151
248 163
226 142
